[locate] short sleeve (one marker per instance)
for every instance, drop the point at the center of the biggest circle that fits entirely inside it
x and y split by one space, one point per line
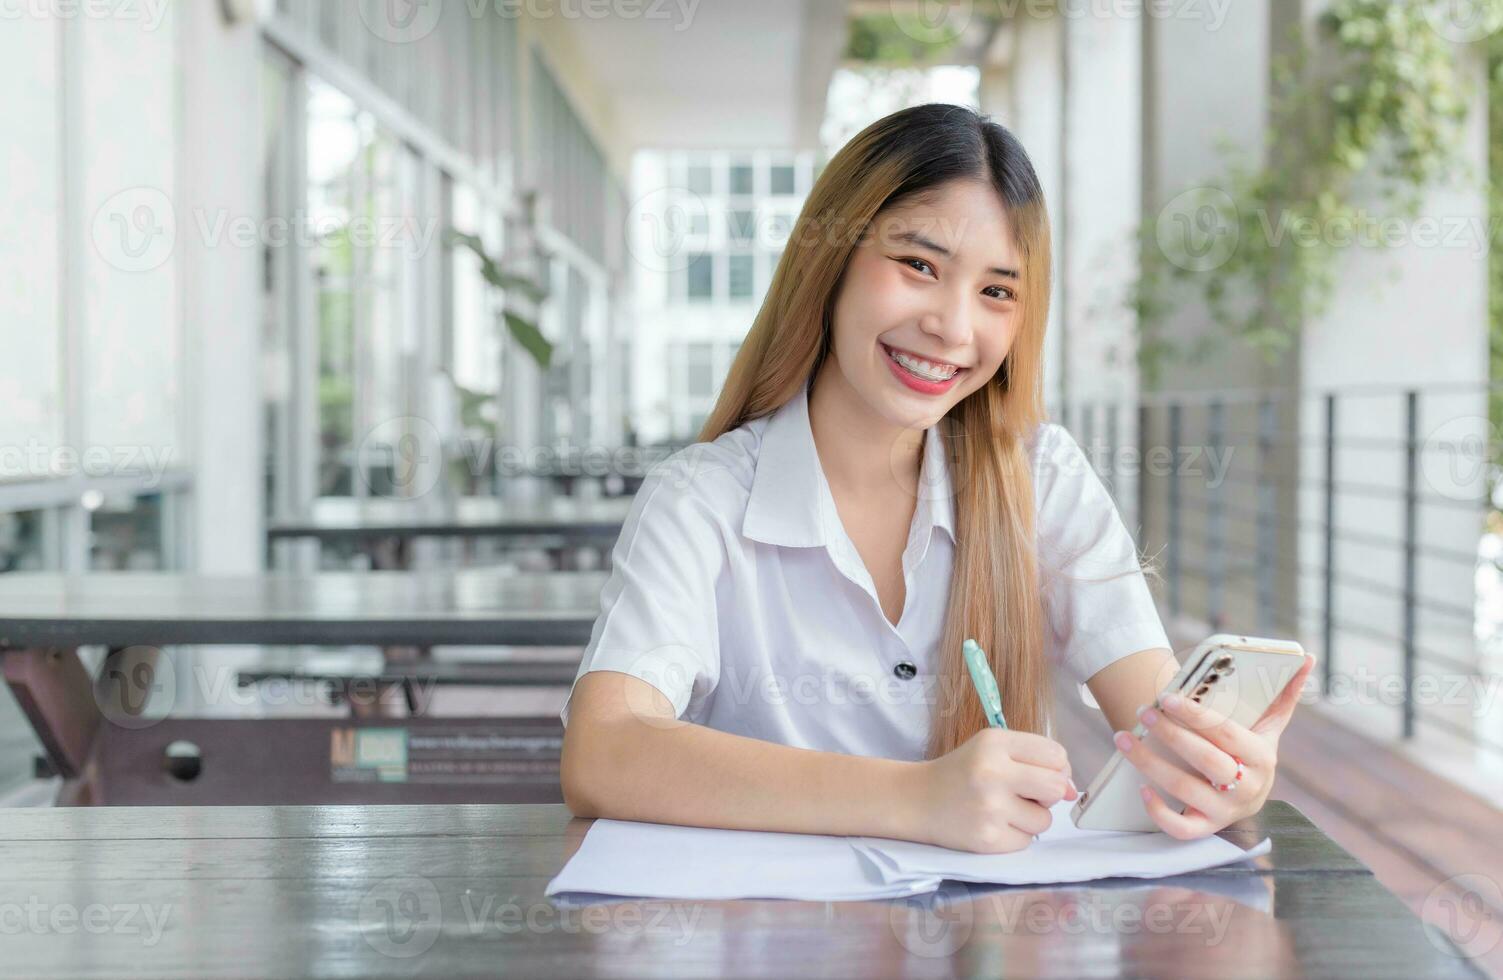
658 619
1096 598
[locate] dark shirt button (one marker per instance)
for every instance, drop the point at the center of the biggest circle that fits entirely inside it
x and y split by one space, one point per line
905 670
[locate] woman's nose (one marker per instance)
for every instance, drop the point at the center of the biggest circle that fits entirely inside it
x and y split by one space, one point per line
951 325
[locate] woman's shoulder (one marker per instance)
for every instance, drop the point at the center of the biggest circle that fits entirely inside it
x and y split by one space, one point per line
1063 473
1043 434
712 478
1051 447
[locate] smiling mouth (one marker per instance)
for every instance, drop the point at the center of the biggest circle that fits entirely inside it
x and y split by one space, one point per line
934 372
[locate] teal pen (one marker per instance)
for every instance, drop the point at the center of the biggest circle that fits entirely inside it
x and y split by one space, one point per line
986 684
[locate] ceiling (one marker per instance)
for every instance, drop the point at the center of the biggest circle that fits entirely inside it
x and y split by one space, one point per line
732 73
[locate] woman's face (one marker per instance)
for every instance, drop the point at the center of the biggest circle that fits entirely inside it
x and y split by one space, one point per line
929 304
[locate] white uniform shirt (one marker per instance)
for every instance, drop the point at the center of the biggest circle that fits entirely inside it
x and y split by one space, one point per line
737 593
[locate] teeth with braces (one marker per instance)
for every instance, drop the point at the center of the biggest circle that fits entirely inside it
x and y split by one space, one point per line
924 369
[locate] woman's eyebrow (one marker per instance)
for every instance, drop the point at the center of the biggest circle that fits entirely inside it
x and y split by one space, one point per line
914 238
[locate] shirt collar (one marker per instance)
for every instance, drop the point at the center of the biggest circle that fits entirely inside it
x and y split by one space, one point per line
791 504
936 497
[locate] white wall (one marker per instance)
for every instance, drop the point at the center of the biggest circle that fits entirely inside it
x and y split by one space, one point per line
1206 83
89 359
31 200
122 148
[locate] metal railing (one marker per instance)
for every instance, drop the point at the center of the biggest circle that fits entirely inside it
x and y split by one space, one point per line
1330 513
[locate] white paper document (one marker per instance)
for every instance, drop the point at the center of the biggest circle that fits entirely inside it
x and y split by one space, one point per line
652 860
648 860
1062 853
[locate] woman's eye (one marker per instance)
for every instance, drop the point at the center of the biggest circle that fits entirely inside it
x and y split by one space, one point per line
919 265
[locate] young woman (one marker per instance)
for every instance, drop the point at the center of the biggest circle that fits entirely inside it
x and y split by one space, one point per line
779 644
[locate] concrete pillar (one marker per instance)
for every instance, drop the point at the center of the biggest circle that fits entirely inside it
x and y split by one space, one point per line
221 286
1069 90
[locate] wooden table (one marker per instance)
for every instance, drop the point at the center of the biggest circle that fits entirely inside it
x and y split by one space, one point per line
370 523
458 891
107 737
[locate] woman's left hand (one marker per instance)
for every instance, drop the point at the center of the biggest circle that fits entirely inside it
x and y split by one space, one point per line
1211 744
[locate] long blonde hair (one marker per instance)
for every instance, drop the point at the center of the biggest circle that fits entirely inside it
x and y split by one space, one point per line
995 591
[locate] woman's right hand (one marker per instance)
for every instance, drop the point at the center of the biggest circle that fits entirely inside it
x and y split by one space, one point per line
993 792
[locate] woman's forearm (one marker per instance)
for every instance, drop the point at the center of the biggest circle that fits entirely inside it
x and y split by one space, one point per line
620 764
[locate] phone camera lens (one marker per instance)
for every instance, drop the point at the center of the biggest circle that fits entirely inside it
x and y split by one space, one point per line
1211 678
1223 663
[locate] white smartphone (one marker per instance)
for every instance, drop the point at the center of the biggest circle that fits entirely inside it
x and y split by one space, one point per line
1237 677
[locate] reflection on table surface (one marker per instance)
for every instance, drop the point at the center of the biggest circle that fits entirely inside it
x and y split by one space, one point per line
387 891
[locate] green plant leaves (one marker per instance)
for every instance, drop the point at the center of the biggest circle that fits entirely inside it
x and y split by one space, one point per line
493 272
524 331
1383 108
